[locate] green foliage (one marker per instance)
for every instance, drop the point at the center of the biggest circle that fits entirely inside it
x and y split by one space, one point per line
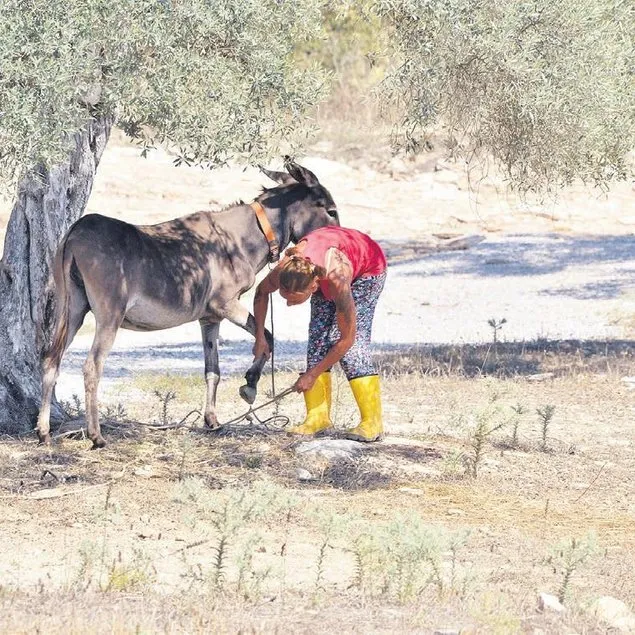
214 79
545 414
351 46
569 555
545 88
401 559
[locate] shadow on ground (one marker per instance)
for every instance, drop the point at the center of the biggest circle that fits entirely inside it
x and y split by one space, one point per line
612 257
510 359
504 359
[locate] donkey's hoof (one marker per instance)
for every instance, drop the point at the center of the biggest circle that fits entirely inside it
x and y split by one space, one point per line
248 394
44 439
211 422
98 443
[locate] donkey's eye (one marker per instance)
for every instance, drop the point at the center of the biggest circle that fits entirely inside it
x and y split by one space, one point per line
332 212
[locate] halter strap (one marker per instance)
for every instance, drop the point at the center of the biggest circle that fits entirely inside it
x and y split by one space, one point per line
265 225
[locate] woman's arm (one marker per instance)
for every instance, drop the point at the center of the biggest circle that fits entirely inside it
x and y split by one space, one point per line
269 284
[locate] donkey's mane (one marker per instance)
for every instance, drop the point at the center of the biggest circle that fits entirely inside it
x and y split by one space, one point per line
228 207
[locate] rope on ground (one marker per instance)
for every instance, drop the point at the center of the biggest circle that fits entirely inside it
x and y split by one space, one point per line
275 421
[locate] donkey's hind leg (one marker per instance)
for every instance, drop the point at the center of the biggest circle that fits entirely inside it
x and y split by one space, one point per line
62 338
105 333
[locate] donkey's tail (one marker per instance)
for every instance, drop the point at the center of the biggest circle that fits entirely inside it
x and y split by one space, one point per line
61 274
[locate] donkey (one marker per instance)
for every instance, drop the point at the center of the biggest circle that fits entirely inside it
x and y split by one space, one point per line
151 277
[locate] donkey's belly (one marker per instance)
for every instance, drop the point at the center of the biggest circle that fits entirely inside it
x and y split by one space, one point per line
149 315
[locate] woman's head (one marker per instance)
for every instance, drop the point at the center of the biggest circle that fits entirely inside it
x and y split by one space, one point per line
299 278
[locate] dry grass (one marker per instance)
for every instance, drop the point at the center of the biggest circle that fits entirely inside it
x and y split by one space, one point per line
132 543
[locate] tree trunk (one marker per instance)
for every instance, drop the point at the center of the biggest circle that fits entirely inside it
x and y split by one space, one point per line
48 203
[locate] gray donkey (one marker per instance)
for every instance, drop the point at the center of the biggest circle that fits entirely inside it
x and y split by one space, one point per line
151 277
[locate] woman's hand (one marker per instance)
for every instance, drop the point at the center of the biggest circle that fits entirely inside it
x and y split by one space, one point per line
261 348
305 382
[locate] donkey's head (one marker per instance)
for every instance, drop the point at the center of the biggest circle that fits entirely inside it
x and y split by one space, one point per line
306 204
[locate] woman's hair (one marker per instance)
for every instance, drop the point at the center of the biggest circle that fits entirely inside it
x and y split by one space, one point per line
298 273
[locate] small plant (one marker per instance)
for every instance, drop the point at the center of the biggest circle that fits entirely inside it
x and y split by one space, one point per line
253 461
572 553
402 559
519 411
115 414
232 518
479 437
250 578
123 576
73 408
545 413
164 398
329 524
496 325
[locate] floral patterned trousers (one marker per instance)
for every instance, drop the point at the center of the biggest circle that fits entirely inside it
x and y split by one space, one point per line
323 330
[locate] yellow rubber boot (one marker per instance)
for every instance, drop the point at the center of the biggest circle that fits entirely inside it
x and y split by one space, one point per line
367 396
318 407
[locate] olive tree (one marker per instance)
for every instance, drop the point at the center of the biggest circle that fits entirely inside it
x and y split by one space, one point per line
546 89
214 79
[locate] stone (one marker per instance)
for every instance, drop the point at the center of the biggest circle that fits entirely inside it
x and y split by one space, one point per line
615 613
303 475
330 449
539 377
548 602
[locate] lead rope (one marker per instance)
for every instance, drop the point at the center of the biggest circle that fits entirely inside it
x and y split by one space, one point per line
273 340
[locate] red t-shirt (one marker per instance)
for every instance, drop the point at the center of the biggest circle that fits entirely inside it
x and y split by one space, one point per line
365 255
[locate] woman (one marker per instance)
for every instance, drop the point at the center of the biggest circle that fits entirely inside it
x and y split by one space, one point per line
343 271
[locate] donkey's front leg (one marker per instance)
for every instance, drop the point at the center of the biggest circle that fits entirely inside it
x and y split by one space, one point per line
212 370
240 316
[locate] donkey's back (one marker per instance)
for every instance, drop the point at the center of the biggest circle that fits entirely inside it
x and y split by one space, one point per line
154 276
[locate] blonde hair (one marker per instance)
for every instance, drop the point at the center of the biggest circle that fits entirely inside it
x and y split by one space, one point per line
297 273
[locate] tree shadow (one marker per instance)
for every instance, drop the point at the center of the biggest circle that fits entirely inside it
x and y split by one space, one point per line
509 359
610 259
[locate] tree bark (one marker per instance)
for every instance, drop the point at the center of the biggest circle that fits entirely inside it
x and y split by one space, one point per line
48 203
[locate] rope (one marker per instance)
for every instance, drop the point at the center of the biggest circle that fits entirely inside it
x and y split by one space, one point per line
249 415
273 340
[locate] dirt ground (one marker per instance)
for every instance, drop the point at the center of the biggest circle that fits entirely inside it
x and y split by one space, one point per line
508 469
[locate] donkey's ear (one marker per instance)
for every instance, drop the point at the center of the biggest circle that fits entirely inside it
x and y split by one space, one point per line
300 174
279 177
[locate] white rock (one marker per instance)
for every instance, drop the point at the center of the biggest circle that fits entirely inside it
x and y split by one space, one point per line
330 448
414 491
630 382
614 613
548 602
303 475
539 377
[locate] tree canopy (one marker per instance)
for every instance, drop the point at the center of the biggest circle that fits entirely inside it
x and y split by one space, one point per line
545 88
215 78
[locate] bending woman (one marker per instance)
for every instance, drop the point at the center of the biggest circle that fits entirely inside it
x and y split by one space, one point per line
343 272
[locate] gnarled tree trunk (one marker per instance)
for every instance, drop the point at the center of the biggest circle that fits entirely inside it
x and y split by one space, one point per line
47 204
